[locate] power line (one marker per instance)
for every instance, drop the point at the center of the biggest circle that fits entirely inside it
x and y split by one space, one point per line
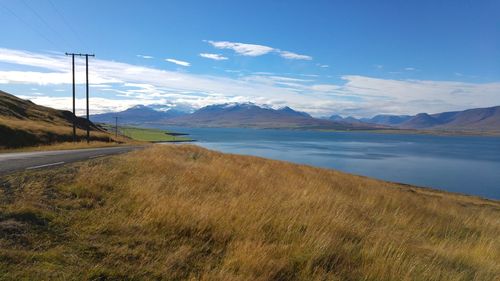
29 25
68 24
44 22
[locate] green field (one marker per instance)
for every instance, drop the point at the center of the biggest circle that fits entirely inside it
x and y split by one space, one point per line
153 135
145 134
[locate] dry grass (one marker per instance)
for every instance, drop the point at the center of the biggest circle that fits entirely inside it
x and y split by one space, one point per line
186 213
40 135
68 145
23 124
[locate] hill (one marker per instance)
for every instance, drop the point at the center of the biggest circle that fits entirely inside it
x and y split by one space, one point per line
389 120
348 119
23 123
477 119
187 213
136 115
254 116
420 121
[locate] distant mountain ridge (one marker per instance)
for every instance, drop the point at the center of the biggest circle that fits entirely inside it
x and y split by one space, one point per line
136 115
348 119
419 121
390 120
472 119
476 119
254 116
258 116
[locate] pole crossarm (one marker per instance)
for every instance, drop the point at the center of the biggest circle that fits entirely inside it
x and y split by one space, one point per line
79 54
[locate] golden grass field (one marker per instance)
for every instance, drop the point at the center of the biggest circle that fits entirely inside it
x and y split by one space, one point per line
35 135
172 212
40 136
21 133
24 124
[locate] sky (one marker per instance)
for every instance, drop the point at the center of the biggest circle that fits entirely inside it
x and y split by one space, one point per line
353 58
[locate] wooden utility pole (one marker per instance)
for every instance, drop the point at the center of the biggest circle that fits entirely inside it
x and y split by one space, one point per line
116 126
74 116
87 92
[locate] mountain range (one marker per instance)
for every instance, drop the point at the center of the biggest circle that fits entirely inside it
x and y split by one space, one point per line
485 119
136 115
252 115
229 115
477 119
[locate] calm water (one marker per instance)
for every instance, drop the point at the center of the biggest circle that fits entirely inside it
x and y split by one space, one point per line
459 164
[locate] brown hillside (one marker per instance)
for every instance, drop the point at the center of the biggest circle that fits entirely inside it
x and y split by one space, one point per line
23 123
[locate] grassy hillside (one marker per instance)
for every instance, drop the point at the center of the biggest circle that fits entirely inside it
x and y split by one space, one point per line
23 123
186 213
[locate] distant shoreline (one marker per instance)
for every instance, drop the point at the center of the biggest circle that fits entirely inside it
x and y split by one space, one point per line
377 131
422 132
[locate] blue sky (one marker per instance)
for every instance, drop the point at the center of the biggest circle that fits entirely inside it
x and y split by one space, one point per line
345 57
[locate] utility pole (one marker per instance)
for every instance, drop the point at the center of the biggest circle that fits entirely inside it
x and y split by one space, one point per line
116 126
87 92
74 116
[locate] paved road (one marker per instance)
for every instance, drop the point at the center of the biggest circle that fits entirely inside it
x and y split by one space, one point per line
11 162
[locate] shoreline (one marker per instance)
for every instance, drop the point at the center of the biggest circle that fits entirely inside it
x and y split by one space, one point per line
459 133
409 185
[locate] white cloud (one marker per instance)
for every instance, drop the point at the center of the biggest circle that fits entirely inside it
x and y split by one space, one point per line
213 56
410 69
145 56
325 87
294 56
178 62
50 78
35 59
263 73
323 65
243 49
415 96
289 79
119 85
96 104
254 50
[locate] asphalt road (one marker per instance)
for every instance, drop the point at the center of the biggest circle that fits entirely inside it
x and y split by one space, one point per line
12 162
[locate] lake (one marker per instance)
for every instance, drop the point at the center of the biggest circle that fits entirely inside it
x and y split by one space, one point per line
464 164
